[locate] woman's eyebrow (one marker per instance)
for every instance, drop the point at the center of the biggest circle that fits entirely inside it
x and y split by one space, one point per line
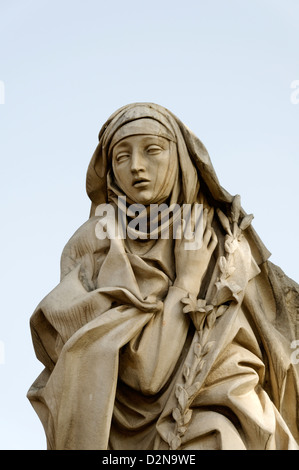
154 139
121 146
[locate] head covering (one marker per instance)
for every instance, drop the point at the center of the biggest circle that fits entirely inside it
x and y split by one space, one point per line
194 164
115 128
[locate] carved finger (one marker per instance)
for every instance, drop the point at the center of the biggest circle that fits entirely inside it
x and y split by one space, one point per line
210 216
196 214
205 218
214 240
207 236
195 219
178 235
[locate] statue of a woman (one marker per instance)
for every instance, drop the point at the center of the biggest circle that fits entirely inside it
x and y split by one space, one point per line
148 341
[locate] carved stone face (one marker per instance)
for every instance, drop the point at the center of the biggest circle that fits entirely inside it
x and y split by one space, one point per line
140 164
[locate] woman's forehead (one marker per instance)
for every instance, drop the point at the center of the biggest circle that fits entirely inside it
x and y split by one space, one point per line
144 126
142 139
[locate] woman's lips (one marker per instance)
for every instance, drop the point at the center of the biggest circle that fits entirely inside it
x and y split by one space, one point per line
140 183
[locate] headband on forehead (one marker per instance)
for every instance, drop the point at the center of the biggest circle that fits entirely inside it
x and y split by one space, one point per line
142 126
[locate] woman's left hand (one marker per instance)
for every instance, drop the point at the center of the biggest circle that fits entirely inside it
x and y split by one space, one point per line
191 257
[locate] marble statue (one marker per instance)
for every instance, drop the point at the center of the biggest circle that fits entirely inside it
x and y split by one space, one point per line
153 341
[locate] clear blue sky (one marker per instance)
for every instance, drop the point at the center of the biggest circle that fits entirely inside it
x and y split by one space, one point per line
225 68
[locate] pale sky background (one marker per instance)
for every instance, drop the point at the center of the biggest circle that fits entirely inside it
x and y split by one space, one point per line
224 67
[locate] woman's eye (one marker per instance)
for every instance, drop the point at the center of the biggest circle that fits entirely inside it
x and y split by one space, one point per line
122 157
154 149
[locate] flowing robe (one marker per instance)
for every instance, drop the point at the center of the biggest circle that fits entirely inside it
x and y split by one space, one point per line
114 341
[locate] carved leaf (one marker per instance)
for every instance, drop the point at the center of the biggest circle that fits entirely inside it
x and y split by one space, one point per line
187 416
224 221
201 303
201 310
221 310
222 264
211 319
198 319
190 305
186 372
188 309
209 308
176 414
246 221
193 389
178 390
236 207
183 398
230 244
220 284
208 347
182 430
231 270
175 443
197 349
200 366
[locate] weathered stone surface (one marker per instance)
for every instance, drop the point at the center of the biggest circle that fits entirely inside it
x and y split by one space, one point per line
154 339
291 295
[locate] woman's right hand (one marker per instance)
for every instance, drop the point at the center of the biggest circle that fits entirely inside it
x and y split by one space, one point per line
192 262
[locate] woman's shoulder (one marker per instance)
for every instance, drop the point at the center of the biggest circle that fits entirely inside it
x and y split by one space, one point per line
82 244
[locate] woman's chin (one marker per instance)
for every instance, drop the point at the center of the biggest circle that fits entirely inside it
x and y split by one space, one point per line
147 197
143 197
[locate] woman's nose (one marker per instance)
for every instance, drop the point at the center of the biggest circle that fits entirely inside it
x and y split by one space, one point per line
137 162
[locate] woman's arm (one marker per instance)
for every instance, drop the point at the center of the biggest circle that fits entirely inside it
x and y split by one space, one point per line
148 360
